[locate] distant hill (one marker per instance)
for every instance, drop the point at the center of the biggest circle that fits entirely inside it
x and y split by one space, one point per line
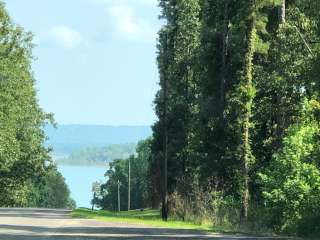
67 139
98 156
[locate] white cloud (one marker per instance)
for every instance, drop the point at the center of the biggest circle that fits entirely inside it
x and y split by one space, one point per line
124 19
148 2
141 2
126 22
65 36
130 26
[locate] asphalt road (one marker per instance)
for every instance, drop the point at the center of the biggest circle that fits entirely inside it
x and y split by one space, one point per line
49 224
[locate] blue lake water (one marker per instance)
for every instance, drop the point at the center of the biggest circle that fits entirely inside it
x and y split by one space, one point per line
80 179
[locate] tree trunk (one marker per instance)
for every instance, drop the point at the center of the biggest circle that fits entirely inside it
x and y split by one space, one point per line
225 41
164 209
282 12
278 117
246 154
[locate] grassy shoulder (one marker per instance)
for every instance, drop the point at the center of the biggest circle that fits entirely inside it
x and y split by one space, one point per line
152 218
146 217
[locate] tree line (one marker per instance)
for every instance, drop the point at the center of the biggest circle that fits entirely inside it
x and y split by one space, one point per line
237 140
28 177
238 108
106 194
98 156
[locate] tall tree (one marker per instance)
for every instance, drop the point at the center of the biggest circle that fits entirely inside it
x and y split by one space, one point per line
178 41
253 23
247 91
163 116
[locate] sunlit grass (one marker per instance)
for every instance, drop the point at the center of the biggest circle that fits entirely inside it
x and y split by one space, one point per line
147 217
152 218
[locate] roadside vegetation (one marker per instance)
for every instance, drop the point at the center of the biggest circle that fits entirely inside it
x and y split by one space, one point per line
237 136
151 217
236 142
28 177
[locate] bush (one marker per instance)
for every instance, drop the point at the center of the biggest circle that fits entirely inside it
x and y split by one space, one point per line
291 183
205 207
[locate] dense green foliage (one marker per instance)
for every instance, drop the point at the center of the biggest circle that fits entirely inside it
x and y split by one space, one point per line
98 156
235 80
237 136
27 177
291 183
50 191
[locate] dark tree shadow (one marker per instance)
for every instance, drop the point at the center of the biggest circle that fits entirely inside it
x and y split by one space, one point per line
86 233
35 213
96 232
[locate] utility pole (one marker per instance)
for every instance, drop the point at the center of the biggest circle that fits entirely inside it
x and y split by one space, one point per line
119 196
129 177
93 200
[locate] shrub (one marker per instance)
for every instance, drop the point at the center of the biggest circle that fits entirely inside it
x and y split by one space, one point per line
203 206
291 183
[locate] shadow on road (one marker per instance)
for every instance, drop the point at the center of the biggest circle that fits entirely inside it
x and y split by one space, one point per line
34 213
97 233
51 224
38 216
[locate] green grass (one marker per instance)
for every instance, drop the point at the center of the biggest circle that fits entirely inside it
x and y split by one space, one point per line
146 217
150 217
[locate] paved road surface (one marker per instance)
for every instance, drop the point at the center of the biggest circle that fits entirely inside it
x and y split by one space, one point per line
46 224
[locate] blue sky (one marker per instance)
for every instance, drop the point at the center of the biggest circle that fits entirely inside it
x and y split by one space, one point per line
95 58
